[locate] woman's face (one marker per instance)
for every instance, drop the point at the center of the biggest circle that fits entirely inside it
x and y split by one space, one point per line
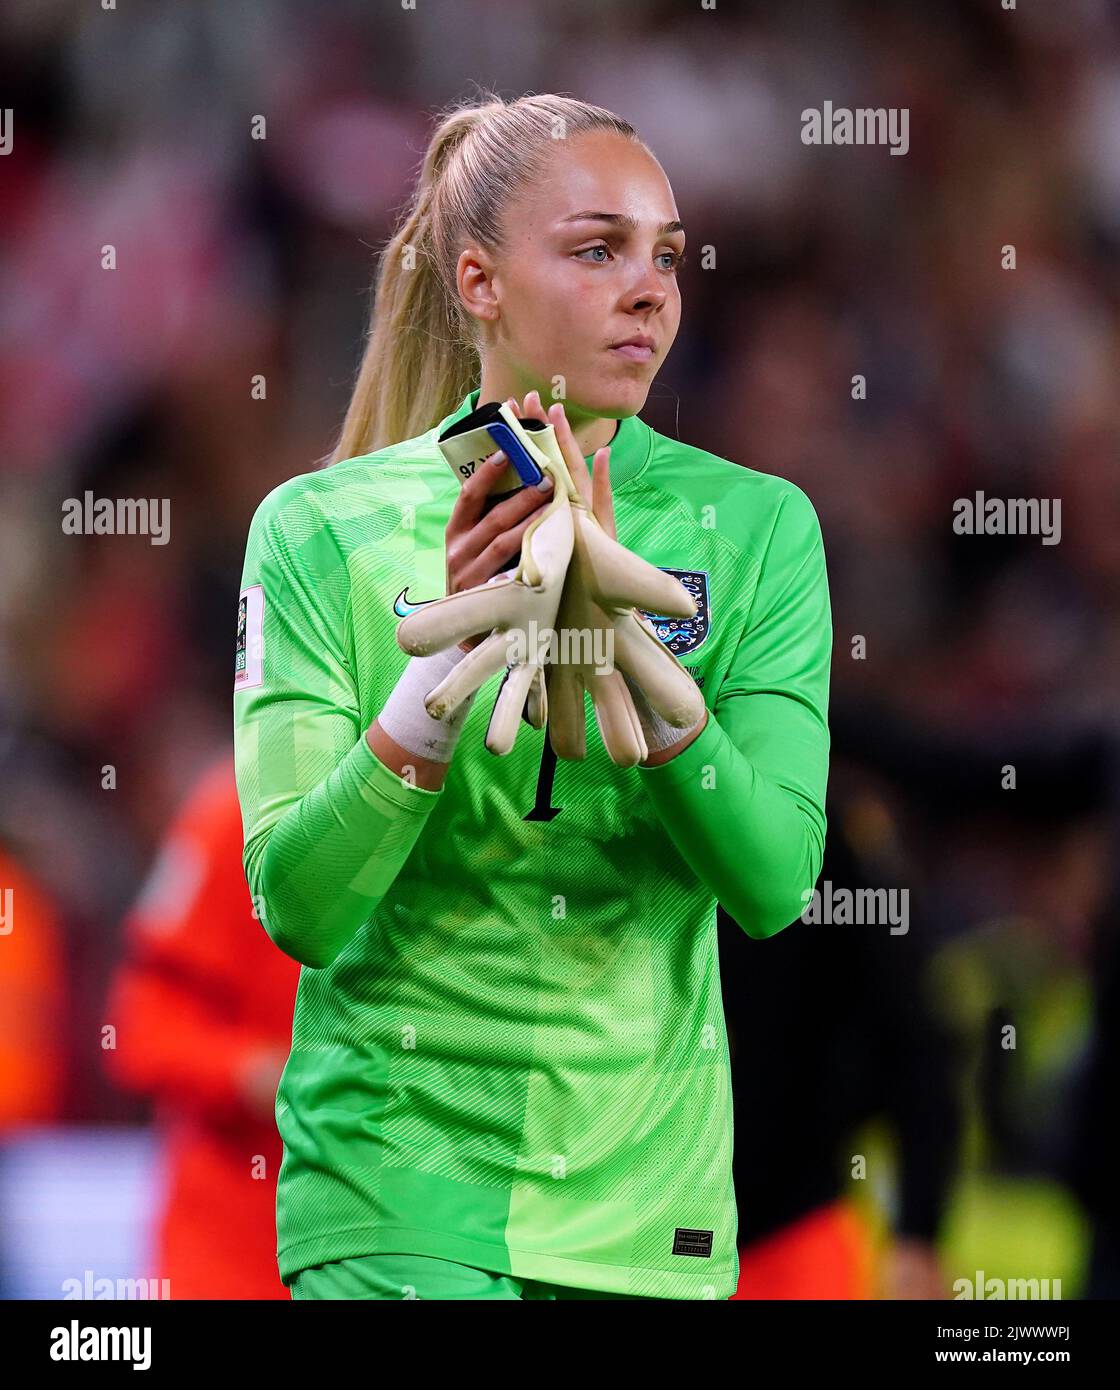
569 285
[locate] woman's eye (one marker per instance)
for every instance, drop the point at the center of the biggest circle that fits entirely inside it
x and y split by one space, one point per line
675 258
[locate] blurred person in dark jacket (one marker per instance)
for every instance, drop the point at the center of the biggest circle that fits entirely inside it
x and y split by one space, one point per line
829 1027
1092 1156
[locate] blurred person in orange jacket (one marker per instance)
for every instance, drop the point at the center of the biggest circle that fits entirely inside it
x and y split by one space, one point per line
202 1008
32 1002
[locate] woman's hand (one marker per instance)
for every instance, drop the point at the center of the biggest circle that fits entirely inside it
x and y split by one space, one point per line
479 546
594 487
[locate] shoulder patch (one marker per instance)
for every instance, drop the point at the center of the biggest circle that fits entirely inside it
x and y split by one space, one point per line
248 668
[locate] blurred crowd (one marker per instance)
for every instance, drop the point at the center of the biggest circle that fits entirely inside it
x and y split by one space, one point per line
190 210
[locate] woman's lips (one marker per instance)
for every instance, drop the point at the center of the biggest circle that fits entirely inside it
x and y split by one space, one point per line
632 352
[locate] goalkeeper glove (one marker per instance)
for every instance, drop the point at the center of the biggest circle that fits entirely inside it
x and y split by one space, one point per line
604 585
519 606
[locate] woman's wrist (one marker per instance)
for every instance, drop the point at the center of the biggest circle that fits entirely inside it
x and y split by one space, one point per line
663 740
667 752
406 721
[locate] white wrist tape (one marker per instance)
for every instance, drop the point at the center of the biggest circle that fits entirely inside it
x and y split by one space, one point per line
658 732
408 723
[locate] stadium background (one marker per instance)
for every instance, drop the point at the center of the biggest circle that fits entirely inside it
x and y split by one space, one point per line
242 259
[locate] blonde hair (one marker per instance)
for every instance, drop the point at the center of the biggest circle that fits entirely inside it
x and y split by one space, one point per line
421 355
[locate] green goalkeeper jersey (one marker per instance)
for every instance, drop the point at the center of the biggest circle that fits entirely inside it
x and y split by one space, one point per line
508 1047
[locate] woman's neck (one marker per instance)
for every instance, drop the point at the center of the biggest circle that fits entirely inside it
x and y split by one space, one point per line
591 431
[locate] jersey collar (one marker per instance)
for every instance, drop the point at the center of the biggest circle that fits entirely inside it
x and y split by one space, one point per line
630 447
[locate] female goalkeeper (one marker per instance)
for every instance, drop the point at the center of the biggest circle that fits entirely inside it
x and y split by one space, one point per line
509 1072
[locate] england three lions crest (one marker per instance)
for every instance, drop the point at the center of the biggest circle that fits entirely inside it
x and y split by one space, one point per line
682 635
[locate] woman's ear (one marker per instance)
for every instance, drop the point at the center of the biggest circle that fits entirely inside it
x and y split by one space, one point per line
474 276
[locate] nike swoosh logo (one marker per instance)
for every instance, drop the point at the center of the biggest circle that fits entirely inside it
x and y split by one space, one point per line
401 606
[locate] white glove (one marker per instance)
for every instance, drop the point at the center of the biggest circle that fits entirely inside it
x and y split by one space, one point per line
517 606
604 585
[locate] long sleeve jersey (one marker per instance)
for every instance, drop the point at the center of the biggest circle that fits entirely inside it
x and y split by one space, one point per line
508 1047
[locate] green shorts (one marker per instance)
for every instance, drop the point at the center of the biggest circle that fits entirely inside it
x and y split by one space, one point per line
424 1276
